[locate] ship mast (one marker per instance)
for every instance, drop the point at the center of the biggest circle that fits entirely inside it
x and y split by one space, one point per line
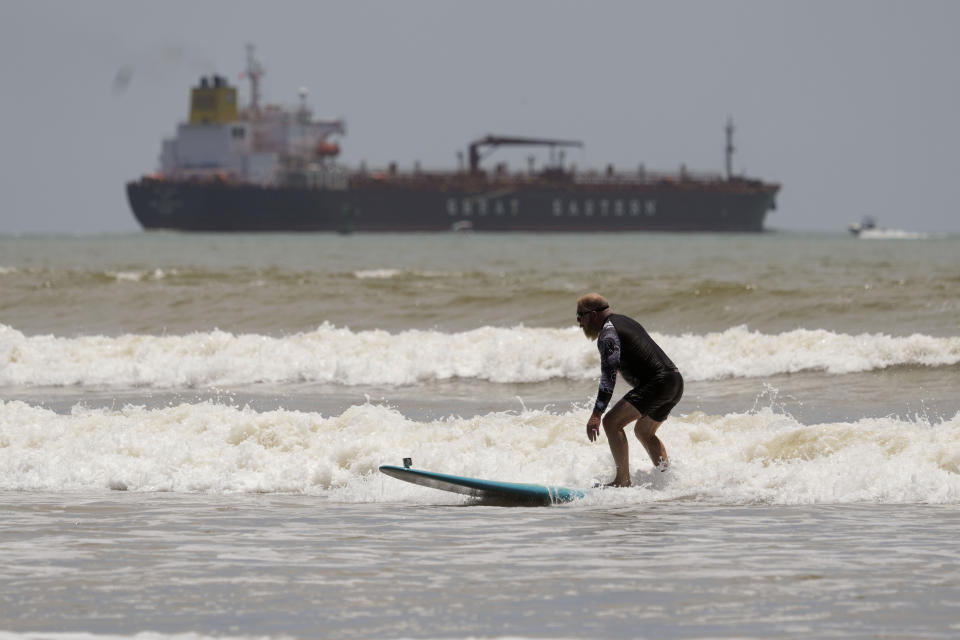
254 73
729 149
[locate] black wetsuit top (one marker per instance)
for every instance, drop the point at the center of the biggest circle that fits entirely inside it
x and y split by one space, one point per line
626 346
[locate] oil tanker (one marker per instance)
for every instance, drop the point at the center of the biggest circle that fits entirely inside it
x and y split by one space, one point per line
268 168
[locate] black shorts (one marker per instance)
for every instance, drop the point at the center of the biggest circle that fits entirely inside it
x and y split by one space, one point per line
657 397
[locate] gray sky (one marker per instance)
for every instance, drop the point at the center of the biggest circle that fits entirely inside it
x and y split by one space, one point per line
851 105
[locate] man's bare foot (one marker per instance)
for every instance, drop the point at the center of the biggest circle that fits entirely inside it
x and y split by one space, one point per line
616 483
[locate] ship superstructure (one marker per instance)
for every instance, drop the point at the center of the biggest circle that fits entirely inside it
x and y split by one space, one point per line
258 145
267 168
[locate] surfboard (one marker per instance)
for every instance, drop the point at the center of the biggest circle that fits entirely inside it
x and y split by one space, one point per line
486 489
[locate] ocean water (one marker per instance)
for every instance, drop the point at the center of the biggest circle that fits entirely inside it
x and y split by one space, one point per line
191 425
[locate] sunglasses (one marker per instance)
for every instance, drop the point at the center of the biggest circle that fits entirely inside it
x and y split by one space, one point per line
580 314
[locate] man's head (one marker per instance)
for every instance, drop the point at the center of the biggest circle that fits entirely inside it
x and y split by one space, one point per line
592 312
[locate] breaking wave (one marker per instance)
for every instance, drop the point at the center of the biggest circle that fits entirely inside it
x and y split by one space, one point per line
333 355
760 457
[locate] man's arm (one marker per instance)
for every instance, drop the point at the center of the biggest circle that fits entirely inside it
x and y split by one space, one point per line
609 345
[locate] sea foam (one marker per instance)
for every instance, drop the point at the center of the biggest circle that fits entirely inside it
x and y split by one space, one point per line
334 355
760 457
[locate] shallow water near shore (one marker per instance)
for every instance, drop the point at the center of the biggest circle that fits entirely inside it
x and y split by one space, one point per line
302 567
191 425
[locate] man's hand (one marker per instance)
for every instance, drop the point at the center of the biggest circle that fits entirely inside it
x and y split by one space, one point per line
593 427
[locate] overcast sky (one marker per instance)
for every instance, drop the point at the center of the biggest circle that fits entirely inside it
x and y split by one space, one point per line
851 105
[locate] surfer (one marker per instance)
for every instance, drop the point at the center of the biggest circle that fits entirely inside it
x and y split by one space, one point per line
625 346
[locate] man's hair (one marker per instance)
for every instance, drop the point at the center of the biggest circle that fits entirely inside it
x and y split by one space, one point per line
592 302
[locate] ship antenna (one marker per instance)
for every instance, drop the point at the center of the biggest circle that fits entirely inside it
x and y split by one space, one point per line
254 73
729 149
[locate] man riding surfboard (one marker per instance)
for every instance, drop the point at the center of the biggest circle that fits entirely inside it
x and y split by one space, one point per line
627 348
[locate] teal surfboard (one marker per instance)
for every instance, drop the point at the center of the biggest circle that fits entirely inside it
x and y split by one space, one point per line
487 489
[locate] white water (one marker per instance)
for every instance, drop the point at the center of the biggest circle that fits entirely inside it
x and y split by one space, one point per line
893 234
516 355
762 457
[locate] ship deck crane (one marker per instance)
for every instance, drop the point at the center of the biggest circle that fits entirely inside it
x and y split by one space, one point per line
496 141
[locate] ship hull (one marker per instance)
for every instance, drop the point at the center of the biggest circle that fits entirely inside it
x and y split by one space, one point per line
223 207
